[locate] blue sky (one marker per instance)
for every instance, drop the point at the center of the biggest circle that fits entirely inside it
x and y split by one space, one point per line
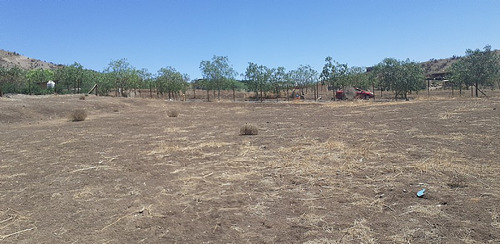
182 33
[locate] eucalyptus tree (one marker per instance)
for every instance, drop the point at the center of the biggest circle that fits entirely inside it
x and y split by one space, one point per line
278 80
70 77
328 74
122 73
185 87
459 76
147 80
400 76
218 72
11 79
412 79
258 77
171 81
305 77
358 77
477 68
35 76
342 75
105 81
387 72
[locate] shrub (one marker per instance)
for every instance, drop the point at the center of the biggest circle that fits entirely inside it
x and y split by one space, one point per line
78 115
172 113
457 181
249 129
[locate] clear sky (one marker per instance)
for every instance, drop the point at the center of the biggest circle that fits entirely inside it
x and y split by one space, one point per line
181 33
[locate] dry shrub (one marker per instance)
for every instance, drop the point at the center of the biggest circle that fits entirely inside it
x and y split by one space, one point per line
78 115
457 181
172 113
249 129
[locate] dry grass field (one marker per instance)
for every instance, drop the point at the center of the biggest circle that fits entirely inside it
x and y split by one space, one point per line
316 172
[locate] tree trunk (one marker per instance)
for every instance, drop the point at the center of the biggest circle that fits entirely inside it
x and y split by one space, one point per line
317 91
373 89
234 94
428 87
208 95
477 86
261 97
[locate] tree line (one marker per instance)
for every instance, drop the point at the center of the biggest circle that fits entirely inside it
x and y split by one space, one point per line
119 77
478 68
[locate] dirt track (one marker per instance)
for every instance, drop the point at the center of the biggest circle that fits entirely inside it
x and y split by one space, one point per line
332 172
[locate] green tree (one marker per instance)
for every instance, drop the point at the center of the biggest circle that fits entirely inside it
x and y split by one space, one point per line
217 72
477 68
328 74
402 77
358 77
37 76
412 79
120 71
71 77
105 82
258 77
11 80
171 82
278 80
304 76
342 75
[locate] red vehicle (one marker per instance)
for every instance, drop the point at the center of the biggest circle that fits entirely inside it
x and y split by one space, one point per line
360 94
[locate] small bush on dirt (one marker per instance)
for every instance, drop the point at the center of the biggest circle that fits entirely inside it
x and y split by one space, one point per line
248 129
457 181
78 115
82 97
172 113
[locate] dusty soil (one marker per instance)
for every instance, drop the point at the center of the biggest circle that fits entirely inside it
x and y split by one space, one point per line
329 172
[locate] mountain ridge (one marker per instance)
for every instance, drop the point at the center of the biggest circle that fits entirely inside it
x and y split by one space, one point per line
10 59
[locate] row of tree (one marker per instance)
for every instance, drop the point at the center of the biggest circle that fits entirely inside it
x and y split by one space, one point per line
477 68
119 76
400 76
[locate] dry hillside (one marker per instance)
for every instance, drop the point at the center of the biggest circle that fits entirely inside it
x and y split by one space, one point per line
13 59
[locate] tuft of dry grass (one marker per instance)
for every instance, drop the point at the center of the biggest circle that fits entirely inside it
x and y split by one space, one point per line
172 113
78 115
457 180
249 129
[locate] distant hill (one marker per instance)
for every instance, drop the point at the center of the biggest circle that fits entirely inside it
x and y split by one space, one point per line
13 59
436 66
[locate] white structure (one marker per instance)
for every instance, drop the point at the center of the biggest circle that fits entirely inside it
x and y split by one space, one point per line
51 84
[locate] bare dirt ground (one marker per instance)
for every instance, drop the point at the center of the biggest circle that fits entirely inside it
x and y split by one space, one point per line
330 172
